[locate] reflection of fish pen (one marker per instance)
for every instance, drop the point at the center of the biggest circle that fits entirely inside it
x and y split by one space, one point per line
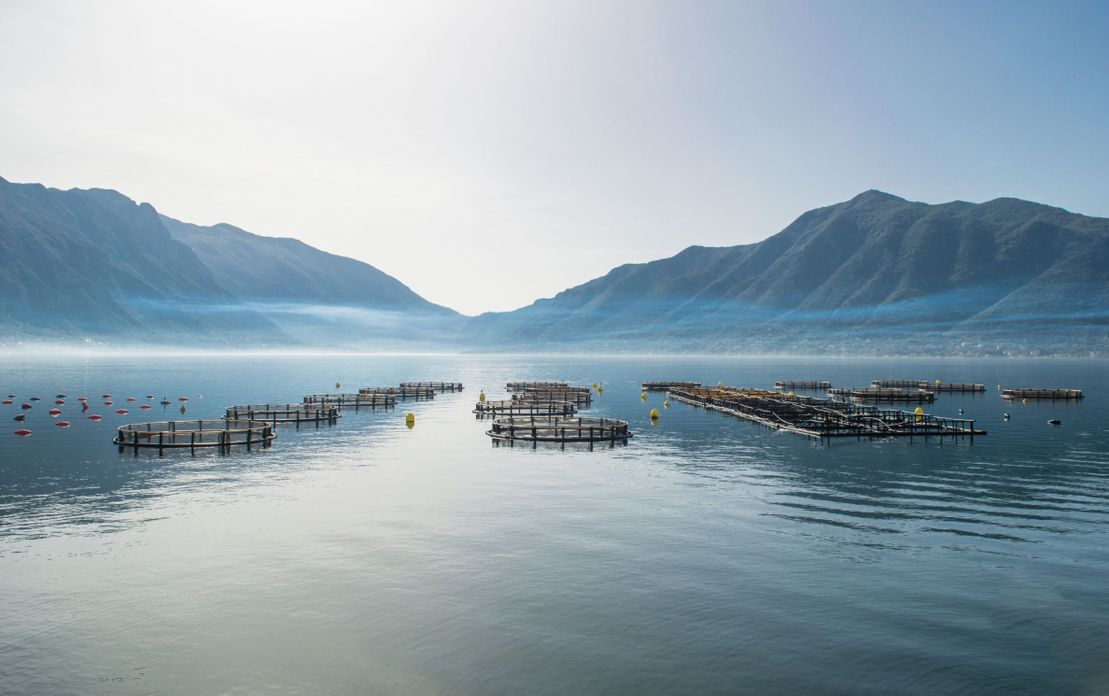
434 386
824 418
885 394
223 434
358 401
667 386
414 393
558 430
579 396
521 386
284 413
802 384
1040 393
514 407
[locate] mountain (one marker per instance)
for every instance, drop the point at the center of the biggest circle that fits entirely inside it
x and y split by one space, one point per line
96 264
876 273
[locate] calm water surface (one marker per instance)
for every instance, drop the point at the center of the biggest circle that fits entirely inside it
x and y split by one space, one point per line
707 556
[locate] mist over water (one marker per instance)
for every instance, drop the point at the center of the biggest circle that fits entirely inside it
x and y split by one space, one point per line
706 556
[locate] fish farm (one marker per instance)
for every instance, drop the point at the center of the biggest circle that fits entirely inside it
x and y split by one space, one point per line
222 434
559 430
884 394
823 418
807 384
1040 393
512 407
434 386
284 413
930 386
579 396
373 400
521 386
414 393
667 386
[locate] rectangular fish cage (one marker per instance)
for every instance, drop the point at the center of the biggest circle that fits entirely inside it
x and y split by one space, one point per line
1040 393
667 386
825 418
900 383
885 394
221 434
358 401
559 430
809 384
434 386
284 413
514 407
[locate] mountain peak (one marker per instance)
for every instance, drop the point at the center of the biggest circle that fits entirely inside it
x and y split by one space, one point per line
876 196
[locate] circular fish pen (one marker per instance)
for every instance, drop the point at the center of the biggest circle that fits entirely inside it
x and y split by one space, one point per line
369 400
579 396
285 413
521 386
434 386
415 393
222 434
559 430
510 407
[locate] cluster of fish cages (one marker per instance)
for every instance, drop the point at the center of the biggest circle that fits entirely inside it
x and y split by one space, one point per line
805 384
1040 393
434 386
579 396
285 413
536 430
884 394
930 386
824 418
372 401
667 386
522 386
413 393
515 407
191 434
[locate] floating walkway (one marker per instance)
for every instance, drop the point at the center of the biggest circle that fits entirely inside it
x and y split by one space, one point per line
285 413
414 393
558 430
807 384
667 386
579 396
521 386
824 418
372 401
221 434
434 386
515 407
885 394
1040 393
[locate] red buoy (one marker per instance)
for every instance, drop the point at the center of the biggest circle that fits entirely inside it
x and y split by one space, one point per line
146 407
182 398
7 402
95 417
21 417
59 401
105 396
121 411
130 398
23 432
62 424
55 411
109 403
25 406
82 398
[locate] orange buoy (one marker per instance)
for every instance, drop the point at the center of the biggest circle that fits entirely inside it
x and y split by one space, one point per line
23 432
62 424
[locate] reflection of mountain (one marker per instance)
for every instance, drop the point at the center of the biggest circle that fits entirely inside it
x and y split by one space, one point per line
875 272
95 263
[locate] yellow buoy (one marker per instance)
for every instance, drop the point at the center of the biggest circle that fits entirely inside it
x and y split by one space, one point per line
481 396
938 383
666 404
337 385
919 413
410 419
720 384
183 408
600 390
654 414
643 396
594 385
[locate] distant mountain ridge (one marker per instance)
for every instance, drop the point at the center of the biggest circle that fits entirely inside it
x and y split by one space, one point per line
875 273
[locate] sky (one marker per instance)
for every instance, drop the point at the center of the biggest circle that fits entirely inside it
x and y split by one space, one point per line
491 153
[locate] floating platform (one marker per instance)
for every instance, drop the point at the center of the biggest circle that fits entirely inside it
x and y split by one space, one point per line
222 434
284 413
515 407
558 430
824 418
885 394
415 393
358 401
1040 393
434 386
803 384
579 396
667 386
521 386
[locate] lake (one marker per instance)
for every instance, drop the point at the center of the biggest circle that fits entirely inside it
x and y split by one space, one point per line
709 555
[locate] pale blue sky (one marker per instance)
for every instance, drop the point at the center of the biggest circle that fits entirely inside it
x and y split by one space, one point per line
491 153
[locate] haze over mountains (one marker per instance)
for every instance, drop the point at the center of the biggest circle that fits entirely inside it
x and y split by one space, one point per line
875 274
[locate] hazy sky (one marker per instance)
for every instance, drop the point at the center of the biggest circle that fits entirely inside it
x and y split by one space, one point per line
488 154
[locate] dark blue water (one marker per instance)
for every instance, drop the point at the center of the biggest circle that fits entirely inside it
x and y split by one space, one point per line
707 556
